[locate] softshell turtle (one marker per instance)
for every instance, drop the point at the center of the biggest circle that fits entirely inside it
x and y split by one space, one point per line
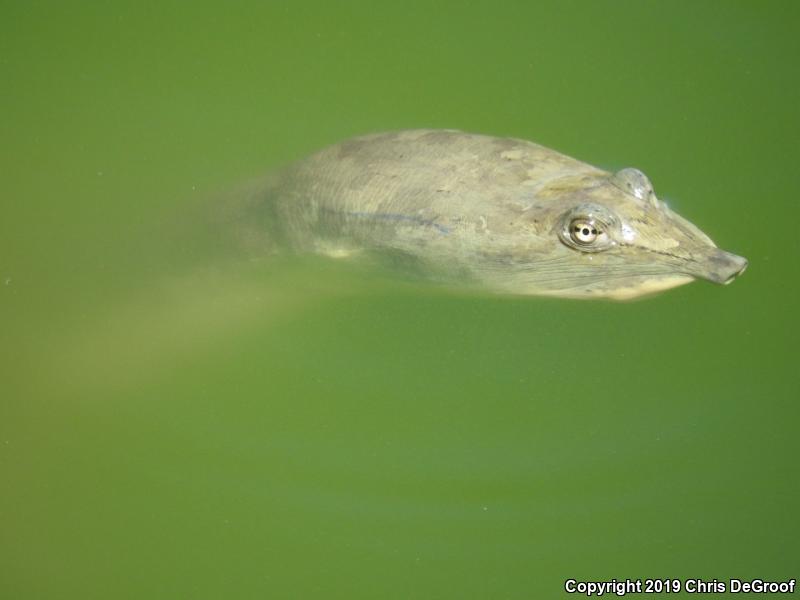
503 214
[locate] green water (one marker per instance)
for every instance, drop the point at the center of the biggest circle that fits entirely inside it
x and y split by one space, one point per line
177 424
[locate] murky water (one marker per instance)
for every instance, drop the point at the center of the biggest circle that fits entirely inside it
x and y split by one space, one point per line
178 421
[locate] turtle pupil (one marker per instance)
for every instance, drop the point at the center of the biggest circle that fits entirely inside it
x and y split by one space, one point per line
583 232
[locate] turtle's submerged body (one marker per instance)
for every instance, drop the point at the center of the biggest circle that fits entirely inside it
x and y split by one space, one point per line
501 214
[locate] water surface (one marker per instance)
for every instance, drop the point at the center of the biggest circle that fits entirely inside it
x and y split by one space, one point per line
179 423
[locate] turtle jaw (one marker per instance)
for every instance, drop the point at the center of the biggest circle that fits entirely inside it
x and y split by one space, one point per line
658 272
642 287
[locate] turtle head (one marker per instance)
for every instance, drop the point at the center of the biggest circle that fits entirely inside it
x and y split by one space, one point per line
620 241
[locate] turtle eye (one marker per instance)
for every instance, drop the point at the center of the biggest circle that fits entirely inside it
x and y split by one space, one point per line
583 232
589 228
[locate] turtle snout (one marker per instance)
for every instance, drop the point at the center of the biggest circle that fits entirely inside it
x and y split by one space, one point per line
722 267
